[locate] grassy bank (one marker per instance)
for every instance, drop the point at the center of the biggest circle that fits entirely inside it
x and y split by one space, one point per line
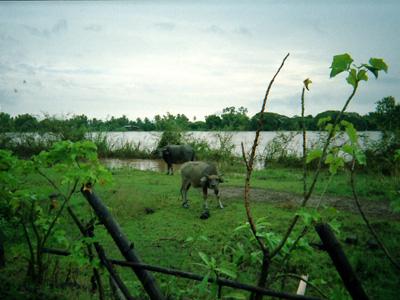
148 208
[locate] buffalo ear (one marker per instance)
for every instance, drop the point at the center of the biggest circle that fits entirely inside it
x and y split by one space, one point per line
203 179
220 179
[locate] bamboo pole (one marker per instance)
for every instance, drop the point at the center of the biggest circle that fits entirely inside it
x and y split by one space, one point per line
124 245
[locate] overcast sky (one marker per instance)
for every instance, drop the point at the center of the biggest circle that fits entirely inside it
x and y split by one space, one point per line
142 58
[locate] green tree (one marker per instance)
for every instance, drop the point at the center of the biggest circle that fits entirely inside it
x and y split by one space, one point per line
387 114
270 121
26 123
213 122
6 122
233 119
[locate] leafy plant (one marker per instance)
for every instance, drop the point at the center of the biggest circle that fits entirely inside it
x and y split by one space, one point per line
65 167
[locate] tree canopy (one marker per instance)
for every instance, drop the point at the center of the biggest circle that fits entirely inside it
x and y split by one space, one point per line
385 117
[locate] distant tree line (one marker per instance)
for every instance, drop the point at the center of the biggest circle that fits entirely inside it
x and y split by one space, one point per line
385 117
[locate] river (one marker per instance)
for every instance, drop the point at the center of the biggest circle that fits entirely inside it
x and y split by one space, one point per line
293 141
149 139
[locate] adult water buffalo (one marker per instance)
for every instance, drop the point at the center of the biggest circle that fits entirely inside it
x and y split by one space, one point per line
200 174
173 154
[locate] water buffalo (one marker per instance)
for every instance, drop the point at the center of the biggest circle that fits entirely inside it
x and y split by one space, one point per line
200 174
173 154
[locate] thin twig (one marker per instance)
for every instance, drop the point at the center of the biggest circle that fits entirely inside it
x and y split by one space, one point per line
32 253
363 215
250 162
303 127
66 199
244 156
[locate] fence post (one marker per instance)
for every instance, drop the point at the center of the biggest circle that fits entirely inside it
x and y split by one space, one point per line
340 261
125 247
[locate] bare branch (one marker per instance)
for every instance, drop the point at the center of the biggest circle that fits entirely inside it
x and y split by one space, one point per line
244 157
303 125
250 162
66 200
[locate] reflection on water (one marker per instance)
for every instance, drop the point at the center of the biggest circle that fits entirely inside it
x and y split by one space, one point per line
157 165
140 164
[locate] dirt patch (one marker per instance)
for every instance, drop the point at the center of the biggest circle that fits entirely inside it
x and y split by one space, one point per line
289 200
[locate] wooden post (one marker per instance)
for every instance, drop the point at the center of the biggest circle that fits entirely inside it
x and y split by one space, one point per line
125 247
301 290
340 261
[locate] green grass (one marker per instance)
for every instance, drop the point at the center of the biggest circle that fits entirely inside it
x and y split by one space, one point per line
369 186
161 237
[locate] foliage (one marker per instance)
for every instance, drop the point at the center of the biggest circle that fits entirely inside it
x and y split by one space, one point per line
221 150
107 148
37 208
278 150
170 137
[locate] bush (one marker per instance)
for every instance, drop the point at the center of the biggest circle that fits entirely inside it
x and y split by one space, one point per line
381 155
170 137
278 151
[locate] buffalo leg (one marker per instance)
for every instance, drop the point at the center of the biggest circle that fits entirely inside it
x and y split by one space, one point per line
206 213
169 168
184 189
216 191
205 198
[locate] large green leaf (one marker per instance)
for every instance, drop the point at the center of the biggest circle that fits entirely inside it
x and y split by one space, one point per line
351 131
372 70
349 149
360 157
378 64
340 63
334 162
314 154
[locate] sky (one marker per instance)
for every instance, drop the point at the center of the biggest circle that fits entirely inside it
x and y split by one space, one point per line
142 58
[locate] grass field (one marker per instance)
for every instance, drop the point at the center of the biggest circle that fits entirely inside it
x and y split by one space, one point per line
172 236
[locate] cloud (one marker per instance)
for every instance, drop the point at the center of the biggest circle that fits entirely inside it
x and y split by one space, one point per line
215 29
8 39
59 27
7 98
165 26
94 27
243 31
37 32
